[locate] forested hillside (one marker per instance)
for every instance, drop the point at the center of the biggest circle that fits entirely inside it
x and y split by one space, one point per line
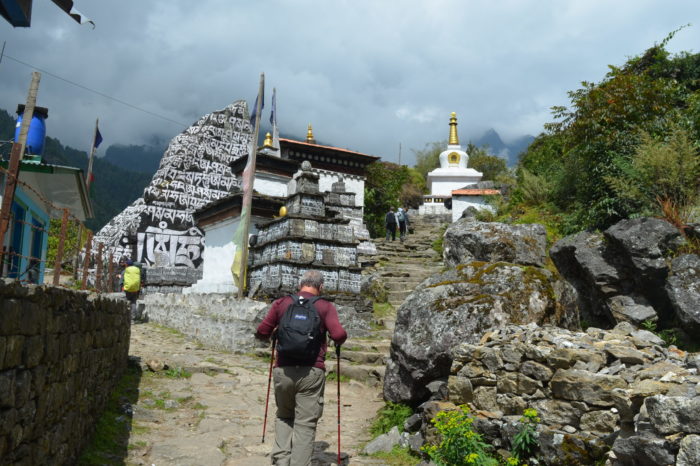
626 146
113 188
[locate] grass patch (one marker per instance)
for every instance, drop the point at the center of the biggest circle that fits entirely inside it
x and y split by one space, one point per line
392 414
169 330
383 310
110 441
398 457
437 244
177 373
333 376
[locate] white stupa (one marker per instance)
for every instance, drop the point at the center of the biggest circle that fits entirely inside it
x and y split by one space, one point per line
452 175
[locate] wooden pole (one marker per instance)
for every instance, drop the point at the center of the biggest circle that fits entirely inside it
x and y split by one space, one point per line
110 288
16 155
86 262
98 264
59 251
247 201
76 267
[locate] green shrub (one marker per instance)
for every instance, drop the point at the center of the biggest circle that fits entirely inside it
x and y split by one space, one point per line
392 414
525 441
459 444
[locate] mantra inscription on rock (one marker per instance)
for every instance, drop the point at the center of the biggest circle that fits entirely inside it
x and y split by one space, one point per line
158 229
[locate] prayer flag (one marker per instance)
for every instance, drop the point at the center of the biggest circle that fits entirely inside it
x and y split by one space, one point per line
98 138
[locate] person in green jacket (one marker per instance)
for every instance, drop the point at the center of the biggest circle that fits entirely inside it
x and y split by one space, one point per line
132 283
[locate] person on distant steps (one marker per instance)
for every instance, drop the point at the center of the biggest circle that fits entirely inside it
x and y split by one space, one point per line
402 217
299 387
390 224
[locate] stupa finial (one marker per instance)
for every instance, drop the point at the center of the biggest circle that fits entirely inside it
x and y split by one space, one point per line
454 139
310 135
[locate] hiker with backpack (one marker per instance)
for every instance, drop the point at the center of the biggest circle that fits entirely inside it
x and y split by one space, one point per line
390 224
131 280
299 324
402 218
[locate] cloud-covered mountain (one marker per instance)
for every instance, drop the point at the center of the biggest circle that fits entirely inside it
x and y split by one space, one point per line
510 151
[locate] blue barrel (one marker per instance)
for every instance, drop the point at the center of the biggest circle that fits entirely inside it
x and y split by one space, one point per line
36 134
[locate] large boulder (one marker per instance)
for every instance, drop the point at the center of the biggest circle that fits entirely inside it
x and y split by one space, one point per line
467 241
645 243
683 288
620 274
459 306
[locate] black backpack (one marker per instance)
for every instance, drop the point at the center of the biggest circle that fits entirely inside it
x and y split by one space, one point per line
299 334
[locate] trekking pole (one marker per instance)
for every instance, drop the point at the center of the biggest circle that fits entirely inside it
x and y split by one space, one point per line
269 381
337 367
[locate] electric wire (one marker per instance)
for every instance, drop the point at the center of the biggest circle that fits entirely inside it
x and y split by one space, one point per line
101 94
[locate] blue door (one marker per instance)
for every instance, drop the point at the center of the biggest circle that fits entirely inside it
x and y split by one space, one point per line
18 214
34 267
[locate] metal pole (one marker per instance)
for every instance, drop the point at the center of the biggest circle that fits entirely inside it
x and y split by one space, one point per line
86 262
59 251
2 52
247 202
15 158
269 382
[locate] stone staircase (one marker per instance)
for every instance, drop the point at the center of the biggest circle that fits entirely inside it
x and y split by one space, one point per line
401 266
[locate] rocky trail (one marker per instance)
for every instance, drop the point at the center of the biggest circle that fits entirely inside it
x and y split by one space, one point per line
402 266
201 406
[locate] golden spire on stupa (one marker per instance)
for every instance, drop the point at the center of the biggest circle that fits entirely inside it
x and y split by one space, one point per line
454 139
268 140
310 135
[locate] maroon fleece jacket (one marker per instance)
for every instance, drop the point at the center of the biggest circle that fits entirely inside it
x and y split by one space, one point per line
329 322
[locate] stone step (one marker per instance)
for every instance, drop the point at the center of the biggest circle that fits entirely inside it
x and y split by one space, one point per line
363 357
399 295
371 375
379 346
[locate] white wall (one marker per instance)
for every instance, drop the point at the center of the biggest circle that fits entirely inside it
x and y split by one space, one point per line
218 256
436 208
353 184
445 185
270 184
459 203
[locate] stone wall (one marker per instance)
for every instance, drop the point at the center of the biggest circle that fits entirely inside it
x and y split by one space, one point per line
217 320
61 354
616 395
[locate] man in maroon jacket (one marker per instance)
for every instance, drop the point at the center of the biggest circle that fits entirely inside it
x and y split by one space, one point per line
299 389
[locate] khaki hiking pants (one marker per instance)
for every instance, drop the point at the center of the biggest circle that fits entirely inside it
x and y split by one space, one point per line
299 397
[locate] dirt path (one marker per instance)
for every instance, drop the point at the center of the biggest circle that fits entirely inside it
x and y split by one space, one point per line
214 416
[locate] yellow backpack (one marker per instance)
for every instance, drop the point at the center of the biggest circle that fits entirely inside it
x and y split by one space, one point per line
132 278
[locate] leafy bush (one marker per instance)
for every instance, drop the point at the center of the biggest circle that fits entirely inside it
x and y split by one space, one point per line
459 444
525 441
662 178
392 414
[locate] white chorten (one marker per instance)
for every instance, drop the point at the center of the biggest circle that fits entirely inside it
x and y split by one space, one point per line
452 175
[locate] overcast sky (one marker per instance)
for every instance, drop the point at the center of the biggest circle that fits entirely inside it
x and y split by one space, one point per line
367 74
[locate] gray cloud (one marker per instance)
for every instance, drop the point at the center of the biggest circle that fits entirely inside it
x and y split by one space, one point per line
367 74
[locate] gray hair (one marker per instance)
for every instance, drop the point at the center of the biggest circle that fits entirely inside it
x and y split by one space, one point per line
312 278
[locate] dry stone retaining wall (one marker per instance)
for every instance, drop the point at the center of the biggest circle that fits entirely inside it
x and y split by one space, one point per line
219 320
617 395
61 355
